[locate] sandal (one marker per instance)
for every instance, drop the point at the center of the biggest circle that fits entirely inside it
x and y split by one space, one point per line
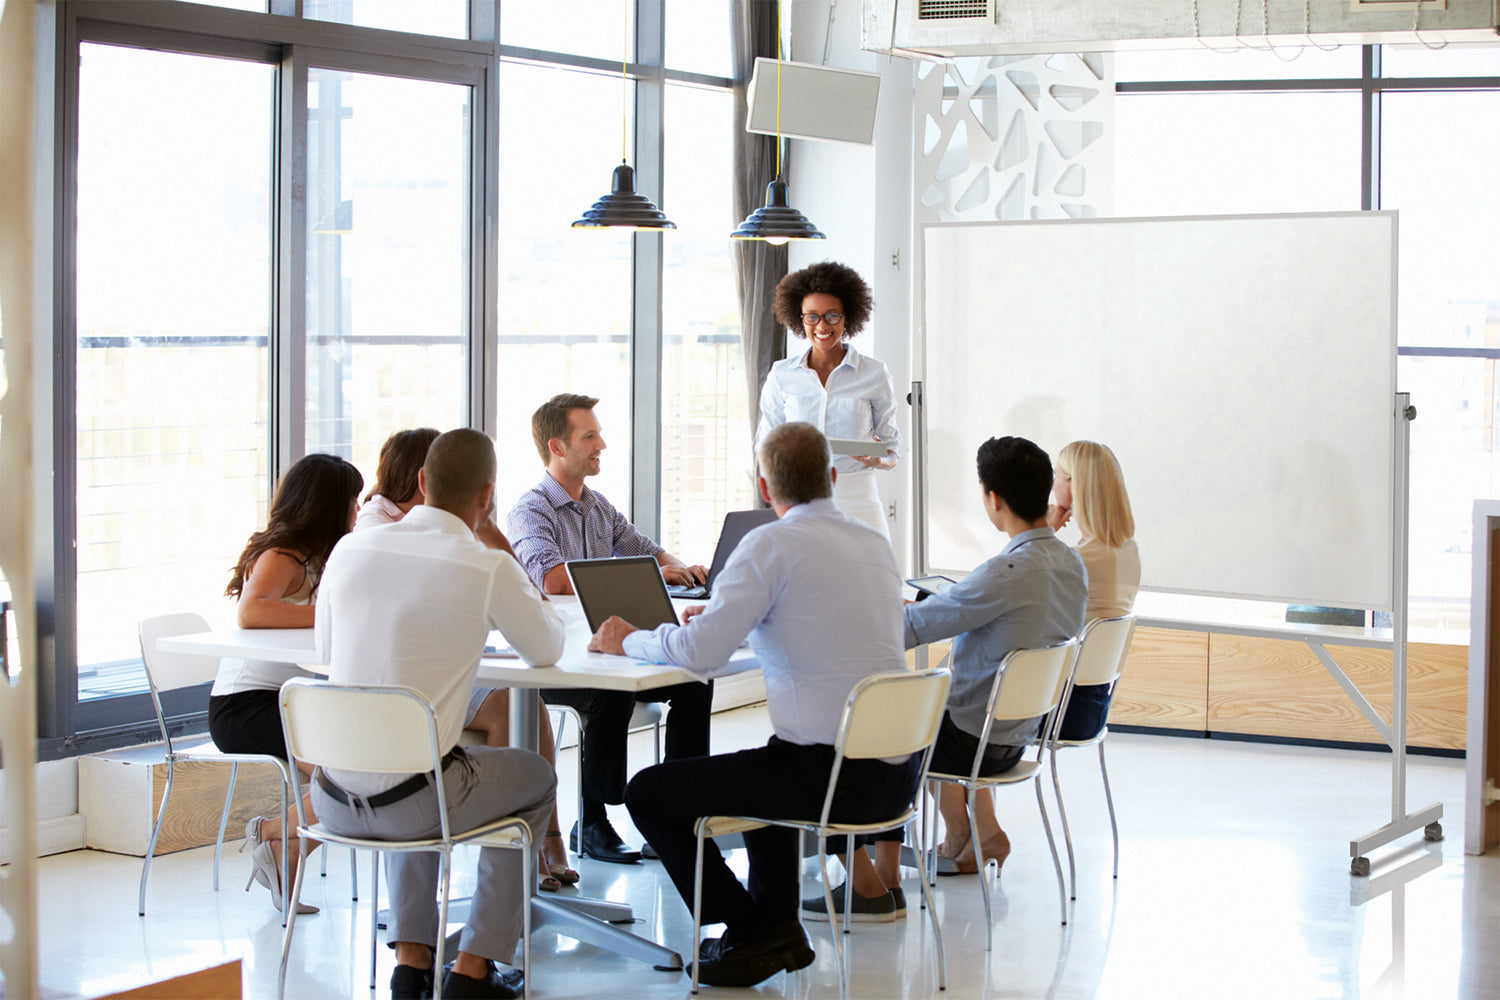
547 883
560 870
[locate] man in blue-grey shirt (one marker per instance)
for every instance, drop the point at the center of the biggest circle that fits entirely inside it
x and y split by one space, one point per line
819 597
561 519
1033 594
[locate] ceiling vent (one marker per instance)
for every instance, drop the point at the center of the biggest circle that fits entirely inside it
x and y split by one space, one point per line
943 10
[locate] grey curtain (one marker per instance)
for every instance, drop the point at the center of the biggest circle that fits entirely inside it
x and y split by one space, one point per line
758 265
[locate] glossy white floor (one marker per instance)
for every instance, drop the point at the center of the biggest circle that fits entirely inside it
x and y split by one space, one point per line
1233 883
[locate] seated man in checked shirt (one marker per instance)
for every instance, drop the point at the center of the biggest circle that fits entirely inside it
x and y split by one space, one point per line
562 519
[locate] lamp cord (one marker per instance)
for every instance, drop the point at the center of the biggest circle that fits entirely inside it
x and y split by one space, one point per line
625 86
778 88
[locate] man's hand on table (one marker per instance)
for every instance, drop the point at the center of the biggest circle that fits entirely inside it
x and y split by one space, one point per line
689 613
611 636
684 576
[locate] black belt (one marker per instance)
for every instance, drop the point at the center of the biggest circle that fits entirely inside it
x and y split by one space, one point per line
410 786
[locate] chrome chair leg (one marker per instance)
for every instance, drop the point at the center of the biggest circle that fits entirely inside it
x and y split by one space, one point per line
234 770
1062 891
1114 831
1062 812
161 814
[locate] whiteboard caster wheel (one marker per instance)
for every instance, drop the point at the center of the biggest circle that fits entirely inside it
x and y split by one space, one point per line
1433 831
1359 866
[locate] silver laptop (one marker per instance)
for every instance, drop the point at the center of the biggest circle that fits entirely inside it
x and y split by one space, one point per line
630 587
737 524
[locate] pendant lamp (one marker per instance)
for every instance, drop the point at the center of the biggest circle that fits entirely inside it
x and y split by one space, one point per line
622 208
776 221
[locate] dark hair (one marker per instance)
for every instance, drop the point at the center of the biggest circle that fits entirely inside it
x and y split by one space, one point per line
309 513
551 418
795 461
1019 473
839 280
401 457
459 465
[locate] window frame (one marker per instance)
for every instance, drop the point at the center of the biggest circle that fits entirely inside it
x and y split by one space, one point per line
282 38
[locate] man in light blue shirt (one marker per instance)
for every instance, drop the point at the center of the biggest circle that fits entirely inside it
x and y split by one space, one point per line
819 597
1034 593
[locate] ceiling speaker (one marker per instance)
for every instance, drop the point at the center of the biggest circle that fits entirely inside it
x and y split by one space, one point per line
836 105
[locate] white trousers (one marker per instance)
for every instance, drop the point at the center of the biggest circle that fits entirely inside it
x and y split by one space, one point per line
855 495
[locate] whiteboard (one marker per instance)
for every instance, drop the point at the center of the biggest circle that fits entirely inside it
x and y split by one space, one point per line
1243 369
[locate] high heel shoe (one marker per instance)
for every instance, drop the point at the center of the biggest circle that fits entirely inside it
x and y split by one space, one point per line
996 849
252 834
560 871
265 870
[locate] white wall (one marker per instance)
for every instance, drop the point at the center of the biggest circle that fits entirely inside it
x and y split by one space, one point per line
59 825
860 196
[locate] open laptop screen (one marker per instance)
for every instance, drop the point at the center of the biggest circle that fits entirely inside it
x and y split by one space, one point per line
630 587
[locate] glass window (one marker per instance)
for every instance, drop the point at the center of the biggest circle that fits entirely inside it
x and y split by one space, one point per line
706 425
1240 63
697 38
565 294
1453 461
596 28
1454 59
449 18
1436 169
1220 153
173 306
388 260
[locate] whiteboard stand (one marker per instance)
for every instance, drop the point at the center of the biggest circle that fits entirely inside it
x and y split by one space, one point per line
1402 822
1316 638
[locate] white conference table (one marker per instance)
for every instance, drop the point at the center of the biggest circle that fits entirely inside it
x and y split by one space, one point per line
580 918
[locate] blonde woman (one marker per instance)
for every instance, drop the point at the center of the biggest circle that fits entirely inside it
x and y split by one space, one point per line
1089 489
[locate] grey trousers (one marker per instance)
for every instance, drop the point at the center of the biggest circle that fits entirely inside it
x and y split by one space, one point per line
487 784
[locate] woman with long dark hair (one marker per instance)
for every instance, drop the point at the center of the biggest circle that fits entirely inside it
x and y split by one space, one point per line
275 580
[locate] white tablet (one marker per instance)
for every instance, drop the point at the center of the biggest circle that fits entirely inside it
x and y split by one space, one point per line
857 446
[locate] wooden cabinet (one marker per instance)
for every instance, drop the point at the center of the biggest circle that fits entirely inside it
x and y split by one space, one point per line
1209 682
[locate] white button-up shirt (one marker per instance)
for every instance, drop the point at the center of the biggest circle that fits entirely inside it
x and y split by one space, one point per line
412 603
858 402
821 603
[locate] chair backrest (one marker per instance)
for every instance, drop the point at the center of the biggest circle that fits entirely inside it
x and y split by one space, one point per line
1102 649
351 727
894 714
170 671
1029 682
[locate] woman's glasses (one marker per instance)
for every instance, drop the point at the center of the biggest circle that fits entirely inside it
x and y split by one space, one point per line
831 318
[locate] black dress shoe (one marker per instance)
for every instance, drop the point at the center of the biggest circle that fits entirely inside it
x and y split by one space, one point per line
740 961
599 841
411 983
496 985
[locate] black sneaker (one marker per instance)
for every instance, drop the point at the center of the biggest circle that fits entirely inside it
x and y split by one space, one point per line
411 983
735 960
899 895
496 985
879 910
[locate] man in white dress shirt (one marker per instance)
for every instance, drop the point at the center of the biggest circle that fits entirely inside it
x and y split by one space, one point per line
821 603
411 604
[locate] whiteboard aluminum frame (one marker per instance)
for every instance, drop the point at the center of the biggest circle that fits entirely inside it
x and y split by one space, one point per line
924 563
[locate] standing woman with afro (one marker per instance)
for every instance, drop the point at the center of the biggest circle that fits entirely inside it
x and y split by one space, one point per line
843 393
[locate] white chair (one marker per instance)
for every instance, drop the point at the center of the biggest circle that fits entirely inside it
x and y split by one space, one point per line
169 672
886 715
386 729
1028 683
646 713
1102 649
